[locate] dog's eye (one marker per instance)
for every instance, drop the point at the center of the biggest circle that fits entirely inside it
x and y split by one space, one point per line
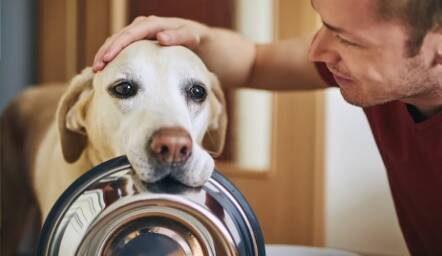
197 93
124 90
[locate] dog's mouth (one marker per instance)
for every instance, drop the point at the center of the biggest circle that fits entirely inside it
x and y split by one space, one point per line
165 170
194 173
152 170
160 162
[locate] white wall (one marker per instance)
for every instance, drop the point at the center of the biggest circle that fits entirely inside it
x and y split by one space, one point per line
359 209
253 113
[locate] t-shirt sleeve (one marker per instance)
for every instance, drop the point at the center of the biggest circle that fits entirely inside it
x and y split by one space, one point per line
325 74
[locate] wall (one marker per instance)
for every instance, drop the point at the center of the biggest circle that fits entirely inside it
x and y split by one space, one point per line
359 213
288 186
17 47
254 20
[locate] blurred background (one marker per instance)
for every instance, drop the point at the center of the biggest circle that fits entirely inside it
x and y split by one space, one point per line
306 161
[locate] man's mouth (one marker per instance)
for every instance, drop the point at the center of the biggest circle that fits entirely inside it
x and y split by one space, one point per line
340 79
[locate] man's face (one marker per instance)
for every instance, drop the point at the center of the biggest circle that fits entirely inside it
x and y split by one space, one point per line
367 56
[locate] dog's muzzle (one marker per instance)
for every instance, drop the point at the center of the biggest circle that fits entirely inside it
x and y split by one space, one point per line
109 211
170 146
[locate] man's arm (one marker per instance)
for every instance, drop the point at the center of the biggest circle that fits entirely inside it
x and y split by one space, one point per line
284 65
276 66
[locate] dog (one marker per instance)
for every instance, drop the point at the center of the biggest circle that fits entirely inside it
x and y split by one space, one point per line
160 106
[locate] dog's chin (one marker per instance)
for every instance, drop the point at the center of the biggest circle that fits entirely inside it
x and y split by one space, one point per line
194 173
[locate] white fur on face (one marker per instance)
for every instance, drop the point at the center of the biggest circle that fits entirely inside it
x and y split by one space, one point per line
124 126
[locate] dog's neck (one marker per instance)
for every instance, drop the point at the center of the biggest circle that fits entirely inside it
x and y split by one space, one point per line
94 157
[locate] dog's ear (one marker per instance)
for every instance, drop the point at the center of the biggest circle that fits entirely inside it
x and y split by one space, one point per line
71 115
215 136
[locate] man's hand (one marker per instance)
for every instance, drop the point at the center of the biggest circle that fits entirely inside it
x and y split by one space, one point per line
168 31
225 52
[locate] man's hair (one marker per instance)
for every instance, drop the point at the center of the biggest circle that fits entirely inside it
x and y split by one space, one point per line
418 17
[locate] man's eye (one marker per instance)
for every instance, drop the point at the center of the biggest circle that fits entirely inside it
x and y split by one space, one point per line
197 93
124 90
344 41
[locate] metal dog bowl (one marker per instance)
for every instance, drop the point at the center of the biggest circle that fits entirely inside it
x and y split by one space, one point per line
109 211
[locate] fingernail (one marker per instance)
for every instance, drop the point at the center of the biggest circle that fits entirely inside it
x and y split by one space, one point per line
98 66
107 55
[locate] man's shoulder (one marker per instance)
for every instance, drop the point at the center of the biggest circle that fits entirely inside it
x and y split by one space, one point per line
397 115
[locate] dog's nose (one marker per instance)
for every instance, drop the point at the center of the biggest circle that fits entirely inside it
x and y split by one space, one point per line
171 146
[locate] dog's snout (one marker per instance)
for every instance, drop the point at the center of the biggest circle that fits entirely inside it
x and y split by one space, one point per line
171 146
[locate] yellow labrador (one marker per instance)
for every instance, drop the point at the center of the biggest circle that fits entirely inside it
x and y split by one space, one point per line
160 106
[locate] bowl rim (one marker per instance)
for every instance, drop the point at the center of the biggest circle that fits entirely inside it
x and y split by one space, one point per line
120 163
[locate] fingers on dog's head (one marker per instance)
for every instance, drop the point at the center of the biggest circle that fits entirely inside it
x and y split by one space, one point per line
214 138
71 115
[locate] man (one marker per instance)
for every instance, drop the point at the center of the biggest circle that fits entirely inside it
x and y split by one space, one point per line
385 56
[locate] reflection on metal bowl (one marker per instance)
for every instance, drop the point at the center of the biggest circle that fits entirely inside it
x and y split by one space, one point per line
109 211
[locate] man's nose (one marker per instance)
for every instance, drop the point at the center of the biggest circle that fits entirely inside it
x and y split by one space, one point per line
322 48
171 146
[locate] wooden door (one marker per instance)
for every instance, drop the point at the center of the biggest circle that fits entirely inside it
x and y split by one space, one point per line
69 34
288 196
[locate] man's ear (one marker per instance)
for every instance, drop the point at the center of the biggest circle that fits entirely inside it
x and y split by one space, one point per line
439 53
437 41
71 115
215 136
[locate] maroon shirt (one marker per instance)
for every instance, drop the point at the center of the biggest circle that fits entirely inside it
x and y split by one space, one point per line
411 149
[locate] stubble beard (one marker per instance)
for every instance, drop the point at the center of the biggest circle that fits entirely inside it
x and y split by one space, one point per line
413 80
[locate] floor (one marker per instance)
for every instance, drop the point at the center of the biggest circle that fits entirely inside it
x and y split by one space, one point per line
286 250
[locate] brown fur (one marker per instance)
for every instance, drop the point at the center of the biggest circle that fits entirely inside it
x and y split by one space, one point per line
21 133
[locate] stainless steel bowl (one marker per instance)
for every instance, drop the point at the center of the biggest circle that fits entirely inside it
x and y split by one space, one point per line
109 211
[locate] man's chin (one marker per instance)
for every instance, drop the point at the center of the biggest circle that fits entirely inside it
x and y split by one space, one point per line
359 100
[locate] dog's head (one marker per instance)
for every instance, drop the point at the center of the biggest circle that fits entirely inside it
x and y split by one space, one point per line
160 106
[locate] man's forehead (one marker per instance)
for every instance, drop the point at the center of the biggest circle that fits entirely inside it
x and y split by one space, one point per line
359 7
357 19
